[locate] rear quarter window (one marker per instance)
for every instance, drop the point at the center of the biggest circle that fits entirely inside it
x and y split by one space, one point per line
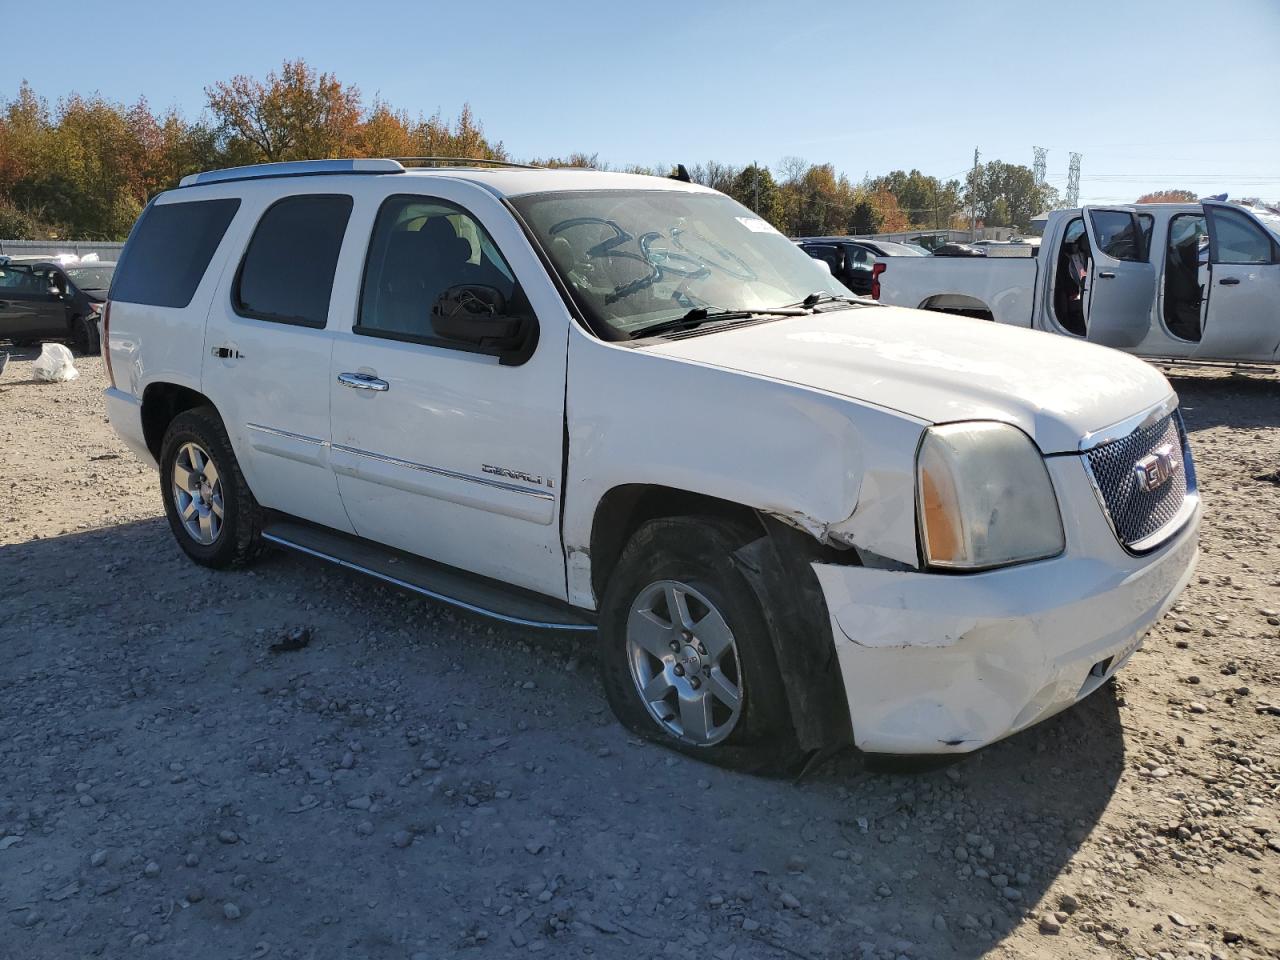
169 250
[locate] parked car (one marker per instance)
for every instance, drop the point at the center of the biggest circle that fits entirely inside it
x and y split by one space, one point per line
593 401
1195 281
852 261
42 299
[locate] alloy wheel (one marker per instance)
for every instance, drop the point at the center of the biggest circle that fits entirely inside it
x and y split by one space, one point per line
197 493
684 662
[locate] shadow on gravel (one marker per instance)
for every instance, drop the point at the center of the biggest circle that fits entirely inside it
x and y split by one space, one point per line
415 782
1241 400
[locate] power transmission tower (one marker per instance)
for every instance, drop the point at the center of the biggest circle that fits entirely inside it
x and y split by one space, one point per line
973 198
1041 164
1073 181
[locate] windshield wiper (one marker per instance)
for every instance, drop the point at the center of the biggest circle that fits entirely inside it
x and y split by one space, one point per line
700 315
813 299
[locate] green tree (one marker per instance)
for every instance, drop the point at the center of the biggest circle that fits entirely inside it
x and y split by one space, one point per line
1006 194
865 218
755 187
926 201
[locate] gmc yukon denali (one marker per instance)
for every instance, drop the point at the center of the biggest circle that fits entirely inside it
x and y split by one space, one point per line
573 400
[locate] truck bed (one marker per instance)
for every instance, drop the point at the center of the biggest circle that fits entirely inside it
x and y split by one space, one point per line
1002 288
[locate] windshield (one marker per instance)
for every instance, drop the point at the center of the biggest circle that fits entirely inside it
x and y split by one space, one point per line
1269 220
637 258
902 250
92 279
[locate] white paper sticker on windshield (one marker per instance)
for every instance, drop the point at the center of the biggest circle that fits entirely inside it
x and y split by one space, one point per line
756 225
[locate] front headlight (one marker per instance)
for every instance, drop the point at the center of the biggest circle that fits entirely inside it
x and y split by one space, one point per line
984 498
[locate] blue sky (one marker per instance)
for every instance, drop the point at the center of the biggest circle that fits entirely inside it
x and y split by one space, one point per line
1153 94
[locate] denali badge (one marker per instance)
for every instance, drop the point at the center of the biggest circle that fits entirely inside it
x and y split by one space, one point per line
511 474
1156 469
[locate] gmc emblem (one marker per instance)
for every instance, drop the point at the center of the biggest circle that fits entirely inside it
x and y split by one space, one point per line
1157 468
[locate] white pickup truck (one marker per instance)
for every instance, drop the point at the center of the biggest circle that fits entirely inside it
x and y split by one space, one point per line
1198 281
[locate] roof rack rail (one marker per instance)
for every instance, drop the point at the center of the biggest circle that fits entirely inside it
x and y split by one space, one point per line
467 161
292 168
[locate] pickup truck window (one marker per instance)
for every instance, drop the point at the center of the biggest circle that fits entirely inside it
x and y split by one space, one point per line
1119 235
169 250
636 258
286 275
1236 239
420 248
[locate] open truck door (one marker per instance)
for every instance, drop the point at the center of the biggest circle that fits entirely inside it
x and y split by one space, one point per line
1121 282
1242 315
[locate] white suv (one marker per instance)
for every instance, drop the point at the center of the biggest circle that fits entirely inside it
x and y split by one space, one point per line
593 401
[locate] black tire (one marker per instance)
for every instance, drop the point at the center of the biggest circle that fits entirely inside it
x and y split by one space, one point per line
238 540
698 551
85 338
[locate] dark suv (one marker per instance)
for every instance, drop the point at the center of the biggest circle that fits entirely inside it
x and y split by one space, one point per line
852 262
46 300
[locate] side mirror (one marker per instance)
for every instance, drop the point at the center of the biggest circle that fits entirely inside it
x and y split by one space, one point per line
476 315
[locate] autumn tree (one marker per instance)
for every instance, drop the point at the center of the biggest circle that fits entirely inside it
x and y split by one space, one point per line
890 214
296 114
1168 196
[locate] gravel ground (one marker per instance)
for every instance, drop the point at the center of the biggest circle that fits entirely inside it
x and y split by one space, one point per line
418 784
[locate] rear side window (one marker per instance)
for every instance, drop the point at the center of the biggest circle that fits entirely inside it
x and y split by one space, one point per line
169 250
286 275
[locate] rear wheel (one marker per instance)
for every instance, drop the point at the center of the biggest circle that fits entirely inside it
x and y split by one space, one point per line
210 508
686 656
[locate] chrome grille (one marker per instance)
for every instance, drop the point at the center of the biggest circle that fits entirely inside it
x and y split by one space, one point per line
1136 514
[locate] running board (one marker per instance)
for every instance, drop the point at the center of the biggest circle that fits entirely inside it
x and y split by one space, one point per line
446 584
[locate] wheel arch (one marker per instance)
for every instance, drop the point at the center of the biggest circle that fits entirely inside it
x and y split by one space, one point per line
161 402
778 565
622 511
960 304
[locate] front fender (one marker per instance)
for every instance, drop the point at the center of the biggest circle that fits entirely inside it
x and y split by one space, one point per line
814 460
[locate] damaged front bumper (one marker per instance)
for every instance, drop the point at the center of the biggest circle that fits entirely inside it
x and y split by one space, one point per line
937 663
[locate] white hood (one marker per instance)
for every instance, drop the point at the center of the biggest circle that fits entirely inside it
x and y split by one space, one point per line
941 368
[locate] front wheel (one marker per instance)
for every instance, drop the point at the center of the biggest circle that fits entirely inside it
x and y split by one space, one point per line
85 336
686 656
210 508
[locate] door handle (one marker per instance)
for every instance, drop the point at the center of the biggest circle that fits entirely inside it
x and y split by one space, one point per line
363 381
1229 281
1106 275
227 353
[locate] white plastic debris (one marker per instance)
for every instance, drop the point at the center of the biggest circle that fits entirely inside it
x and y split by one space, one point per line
54 364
